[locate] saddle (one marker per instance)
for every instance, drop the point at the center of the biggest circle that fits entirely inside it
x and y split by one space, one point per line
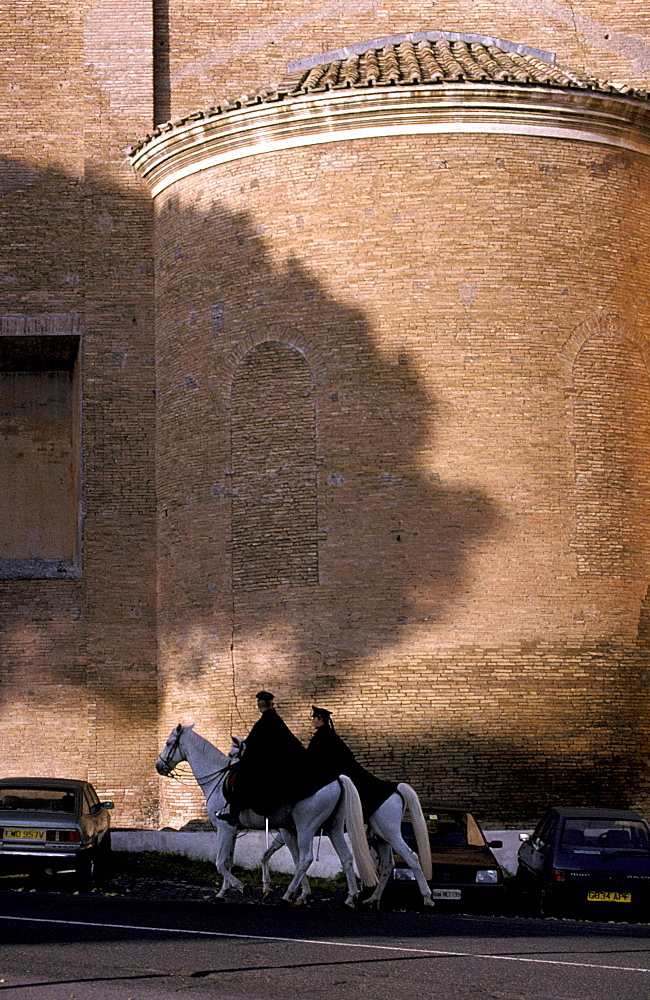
228 787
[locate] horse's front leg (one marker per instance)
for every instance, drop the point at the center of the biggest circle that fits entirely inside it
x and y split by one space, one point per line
276 844
226 836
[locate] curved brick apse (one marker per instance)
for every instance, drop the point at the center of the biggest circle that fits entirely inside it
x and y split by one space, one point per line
433 483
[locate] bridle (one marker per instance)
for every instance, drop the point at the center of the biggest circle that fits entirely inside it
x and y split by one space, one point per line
178 773
167 769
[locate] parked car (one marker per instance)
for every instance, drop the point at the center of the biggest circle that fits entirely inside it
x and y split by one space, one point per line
53 825
465 872
594 860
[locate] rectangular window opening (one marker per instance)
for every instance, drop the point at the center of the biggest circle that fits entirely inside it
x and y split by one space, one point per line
39 457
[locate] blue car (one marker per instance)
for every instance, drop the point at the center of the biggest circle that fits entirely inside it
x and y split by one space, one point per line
587 860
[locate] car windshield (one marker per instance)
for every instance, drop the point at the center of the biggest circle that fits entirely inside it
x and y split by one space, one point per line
587 835
37 799
449 828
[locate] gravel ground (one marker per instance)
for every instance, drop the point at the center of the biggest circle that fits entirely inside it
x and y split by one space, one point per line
146 875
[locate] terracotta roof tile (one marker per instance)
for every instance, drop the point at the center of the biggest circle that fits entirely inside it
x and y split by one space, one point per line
433 62
410 63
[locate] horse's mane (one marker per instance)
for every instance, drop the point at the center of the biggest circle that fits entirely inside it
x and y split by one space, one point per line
206 746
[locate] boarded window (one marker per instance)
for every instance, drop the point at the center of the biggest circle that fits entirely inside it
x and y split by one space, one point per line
38 457
273 442
611 436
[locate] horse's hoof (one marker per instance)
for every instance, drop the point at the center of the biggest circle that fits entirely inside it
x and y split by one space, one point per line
429 902
267 894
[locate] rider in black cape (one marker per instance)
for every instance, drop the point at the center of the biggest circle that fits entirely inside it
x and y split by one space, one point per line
271 771
328 756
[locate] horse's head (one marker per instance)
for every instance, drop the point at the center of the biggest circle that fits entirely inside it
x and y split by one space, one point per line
237 748
172 753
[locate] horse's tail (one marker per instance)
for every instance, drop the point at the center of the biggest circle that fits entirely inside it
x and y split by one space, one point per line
412 802
357 833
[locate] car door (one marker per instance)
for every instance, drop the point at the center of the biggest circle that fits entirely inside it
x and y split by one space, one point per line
95 817
533 853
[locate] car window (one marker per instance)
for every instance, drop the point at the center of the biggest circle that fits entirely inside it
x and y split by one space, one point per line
447 828
544 829
37 799
92 796
88 802
474 832
592 834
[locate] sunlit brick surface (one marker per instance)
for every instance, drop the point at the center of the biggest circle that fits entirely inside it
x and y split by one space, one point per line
379 438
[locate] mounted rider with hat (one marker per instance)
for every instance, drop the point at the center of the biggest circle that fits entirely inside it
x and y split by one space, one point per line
270 772
328 756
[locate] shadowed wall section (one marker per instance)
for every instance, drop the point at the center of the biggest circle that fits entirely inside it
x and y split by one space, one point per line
444 582
611 439
273 456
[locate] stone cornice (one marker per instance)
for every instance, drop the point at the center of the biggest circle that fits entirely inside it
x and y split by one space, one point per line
211 139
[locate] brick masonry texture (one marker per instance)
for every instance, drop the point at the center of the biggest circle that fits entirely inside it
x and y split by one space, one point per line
478 494
421 362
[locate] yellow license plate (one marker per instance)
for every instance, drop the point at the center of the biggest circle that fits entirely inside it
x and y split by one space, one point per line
24 835
609 897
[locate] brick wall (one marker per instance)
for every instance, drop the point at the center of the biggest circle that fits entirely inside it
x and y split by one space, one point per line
77 656
470 321
471 314
238 46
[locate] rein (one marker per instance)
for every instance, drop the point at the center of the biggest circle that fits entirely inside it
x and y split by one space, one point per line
184 775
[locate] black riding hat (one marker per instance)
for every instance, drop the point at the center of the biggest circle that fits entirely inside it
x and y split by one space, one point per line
321 713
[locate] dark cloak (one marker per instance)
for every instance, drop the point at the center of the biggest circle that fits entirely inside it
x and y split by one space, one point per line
271 771
329 756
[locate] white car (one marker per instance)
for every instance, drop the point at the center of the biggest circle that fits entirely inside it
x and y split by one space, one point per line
53 825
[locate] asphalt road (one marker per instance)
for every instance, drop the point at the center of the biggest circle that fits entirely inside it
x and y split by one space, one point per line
58 947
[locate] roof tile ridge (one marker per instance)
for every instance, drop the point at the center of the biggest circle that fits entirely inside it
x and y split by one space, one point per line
450 66
408 61
465 57
482 56
389 64
370 69
351 71
433 72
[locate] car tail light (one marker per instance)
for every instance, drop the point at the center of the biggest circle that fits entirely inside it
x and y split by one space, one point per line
2 833
50 834
70 836
557 876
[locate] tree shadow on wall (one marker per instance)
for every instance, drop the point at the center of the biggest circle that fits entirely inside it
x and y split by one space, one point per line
345 527
515 782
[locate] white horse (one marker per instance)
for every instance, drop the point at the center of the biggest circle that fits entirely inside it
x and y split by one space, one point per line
332 808
386 825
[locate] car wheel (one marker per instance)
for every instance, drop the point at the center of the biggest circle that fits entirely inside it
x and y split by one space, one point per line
524 894
85 873
104 858
545 906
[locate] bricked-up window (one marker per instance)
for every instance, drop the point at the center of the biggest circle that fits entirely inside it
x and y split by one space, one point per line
273 462
38 457
611 439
